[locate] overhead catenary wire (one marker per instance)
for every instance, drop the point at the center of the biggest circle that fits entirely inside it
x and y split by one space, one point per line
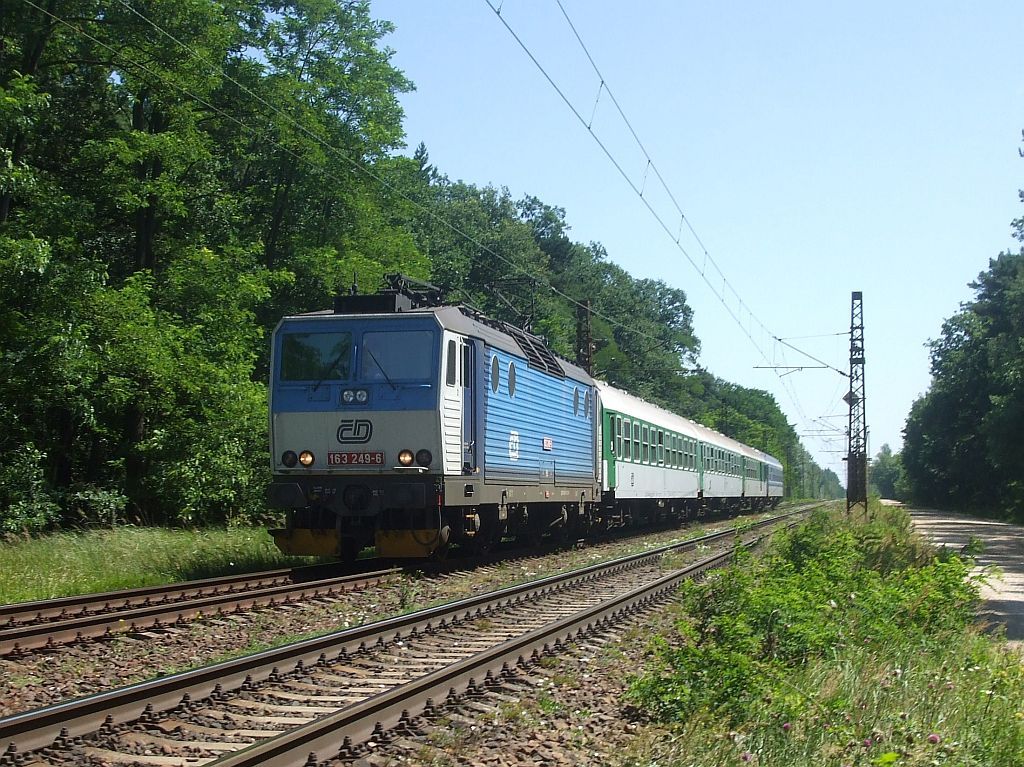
721 295
632 184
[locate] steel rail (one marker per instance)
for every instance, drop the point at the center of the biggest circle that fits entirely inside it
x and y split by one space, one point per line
46 624
78 604
337 733
39 728
33 636
23 612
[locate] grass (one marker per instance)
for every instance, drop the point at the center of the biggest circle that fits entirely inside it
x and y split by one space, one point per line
107 560
851 644
68 563
958 704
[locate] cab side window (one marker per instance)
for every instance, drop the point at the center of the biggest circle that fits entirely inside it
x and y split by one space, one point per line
450 364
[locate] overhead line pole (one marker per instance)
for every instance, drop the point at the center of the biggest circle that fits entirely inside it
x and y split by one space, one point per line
857 452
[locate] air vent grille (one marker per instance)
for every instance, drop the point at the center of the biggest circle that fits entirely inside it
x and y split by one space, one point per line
538 355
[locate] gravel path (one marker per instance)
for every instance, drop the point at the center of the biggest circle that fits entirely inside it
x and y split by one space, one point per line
1003 549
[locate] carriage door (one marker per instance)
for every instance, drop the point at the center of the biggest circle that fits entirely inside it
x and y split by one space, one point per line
469 395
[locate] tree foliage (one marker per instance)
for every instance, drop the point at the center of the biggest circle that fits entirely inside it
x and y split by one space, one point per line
176 177
962 438
885 474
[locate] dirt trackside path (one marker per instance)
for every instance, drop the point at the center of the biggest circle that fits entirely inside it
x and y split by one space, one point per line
1004 548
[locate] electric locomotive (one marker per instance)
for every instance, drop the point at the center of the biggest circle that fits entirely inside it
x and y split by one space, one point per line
403 424
409 426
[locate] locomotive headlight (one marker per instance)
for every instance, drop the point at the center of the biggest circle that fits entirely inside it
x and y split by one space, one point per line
289 459
423 457
348 396
405 457
306 458
362 396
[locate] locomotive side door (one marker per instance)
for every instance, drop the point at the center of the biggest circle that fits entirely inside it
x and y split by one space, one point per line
469 406
452 407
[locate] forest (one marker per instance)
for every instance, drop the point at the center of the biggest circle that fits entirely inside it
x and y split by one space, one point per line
176 176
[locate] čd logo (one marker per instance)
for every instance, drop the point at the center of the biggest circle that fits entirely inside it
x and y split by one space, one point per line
354 432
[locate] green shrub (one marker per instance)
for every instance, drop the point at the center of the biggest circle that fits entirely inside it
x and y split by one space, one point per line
26 503
826 586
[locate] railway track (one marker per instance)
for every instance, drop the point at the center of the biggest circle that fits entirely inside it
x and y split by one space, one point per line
36 625
49 624
330 695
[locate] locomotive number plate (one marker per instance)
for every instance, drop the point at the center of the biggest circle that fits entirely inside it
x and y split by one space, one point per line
356 459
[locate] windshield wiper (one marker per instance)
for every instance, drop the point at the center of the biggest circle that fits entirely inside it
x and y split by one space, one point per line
329 368
380 367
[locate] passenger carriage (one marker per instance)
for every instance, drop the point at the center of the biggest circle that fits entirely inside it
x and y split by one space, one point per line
656 462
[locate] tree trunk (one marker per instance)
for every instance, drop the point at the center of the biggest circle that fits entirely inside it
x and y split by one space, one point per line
147 169
279 209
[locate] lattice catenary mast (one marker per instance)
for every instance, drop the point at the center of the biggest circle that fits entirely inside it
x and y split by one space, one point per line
857 452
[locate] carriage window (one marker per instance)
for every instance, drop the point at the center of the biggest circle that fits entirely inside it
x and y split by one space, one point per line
449 377
575 401
316 356
628 445
511 379
646 439
495 373
586 403
636 442
618 436
661 447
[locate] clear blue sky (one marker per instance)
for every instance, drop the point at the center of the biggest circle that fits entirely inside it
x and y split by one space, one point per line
816 148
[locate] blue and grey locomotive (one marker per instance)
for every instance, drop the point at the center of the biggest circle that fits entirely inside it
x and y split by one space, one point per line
408 426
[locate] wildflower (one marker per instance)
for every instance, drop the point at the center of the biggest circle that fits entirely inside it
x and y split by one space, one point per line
786 727
746 756
934 738
867 743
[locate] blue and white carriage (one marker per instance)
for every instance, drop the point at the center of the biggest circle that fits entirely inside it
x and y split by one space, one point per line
409 428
